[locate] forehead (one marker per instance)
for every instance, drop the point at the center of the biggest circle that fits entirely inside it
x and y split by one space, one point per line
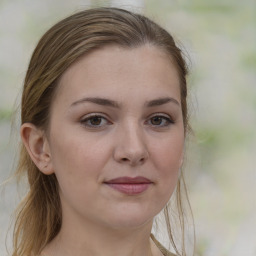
113 68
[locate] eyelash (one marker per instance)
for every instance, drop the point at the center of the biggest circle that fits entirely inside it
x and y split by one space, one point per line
88 119
167 119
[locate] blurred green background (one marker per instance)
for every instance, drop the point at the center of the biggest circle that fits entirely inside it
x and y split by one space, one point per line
220 40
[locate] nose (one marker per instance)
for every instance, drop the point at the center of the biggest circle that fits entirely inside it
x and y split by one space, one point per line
131 147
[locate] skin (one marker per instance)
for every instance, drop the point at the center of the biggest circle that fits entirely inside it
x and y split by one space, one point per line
126 139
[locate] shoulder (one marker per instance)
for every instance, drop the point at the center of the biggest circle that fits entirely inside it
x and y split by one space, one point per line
163 250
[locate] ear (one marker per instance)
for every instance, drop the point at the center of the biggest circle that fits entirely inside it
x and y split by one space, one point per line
37 147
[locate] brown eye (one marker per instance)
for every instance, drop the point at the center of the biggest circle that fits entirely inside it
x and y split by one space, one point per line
95 121
156 120
160 121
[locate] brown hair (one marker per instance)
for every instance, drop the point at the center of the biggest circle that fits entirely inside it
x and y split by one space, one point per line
39 214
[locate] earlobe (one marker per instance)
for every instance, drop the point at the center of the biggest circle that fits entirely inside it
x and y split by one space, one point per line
37 147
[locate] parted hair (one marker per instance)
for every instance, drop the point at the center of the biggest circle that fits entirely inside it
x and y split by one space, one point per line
38 217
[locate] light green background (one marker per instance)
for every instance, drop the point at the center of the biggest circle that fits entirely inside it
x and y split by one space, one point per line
220 38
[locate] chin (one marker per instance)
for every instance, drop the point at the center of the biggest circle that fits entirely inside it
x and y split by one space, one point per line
130 224
130 219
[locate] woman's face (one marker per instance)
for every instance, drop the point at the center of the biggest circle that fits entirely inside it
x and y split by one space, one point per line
116 136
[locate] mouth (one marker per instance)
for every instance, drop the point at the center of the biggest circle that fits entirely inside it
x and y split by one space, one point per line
129 185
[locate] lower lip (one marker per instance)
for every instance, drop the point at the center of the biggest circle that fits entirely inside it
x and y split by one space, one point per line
129 189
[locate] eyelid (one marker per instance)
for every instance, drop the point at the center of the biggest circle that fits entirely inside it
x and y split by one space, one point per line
87 117
162 115
167 117
168 120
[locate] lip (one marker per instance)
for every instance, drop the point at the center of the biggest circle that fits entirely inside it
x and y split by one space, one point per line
129 185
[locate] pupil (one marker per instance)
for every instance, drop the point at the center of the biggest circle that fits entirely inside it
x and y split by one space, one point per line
96 120
156 120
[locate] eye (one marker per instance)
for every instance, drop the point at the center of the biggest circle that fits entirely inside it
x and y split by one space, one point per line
160 121
94 121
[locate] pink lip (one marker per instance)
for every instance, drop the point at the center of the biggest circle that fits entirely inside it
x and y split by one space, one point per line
129 185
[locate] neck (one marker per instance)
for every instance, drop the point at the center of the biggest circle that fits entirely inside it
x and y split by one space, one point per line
90 239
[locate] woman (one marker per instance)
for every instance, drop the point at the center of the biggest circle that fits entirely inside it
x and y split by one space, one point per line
104 121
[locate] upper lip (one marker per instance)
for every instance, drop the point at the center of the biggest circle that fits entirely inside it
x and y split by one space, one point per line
129 180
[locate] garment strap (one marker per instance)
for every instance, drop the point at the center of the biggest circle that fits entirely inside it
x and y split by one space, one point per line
163 250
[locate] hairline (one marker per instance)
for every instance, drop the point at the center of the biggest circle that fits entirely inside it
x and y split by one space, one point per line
57 83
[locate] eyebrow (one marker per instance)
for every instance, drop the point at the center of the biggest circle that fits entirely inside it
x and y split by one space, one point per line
99 101
115 104
161 101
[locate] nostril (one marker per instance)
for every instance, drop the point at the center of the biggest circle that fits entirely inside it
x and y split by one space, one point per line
142 160
130 156
133 161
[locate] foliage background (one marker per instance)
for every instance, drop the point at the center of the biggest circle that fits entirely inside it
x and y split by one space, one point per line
220 38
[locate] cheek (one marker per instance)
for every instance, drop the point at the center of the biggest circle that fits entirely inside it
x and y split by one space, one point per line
168 157
77 168
71 148
75 158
